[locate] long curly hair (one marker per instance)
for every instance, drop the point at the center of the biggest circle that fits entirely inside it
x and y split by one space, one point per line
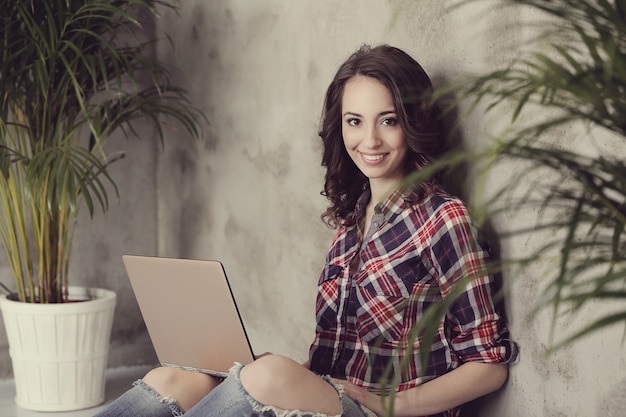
420 119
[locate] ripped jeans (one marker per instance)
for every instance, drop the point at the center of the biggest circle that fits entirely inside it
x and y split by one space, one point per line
229 398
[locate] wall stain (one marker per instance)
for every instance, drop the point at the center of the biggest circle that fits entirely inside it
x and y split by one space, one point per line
197 23
276 162
613 404
249 249
184 161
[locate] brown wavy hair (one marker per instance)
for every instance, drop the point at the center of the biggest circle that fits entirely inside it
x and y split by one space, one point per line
419 117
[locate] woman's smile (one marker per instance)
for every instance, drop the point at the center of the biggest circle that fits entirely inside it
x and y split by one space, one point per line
373 159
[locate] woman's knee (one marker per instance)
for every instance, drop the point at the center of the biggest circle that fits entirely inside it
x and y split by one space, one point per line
270 370
282 382
186 387
160 377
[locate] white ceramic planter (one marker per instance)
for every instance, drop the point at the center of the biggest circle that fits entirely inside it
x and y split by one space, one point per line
59 352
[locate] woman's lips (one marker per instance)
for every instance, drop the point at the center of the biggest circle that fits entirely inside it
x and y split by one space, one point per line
372 159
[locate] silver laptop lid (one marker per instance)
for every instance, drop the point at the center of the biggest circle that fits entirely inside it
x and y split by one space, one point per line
190 313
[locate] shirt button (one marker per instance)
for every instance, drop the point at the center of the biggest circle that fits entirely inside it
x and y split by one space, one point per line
375 224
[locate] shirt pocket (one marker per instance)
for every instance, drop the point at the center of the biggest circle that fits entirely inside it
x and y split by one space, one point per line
327 297
380 305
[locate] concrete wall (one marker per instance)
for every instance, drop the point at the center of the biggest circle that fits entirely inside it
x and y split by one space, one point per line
248 195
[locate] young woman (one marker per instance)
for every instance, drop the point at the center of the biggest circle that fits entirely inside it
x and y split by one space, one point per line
399 249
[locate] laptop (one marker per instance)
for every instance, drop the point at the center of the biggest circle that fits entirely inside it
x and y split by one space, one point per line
190 313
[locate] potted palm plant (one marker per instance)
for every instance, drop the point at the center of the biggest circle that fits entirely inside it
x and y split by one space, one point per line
72 73
574 77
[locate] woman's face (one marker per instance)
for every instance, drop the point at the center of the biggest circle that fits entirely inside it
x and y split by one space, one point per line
371 132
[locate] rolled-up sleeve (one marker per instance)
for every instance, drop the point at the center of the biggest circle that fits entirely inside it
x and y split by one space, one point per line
475 329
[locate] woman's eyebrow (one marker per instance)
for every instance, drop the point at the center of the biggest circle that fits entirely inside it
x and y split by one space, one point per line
382 113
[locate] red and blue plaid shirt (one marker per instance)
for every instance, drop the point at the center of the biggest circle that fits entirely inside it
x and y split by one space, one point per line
419 245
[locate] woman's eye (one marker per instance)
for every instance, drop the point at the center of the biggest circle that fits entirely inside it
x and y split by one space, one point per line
354 122
390 121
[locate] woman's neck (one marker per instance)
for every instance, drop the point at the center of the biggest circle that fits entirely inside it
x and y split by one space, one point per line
380 190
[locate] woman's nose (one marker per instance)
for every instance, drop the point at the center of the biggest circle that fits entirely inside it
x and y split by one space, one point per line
372 138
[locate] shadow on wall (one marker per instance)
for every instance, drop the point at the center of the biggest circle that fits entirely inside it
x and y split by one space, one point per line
458 181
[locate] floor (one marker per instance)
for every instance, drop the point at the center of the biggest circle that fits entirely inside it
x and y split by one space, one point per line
118 381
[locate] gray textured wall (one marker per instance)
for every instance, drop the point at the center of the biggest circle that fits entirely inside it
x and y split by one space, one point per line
249 194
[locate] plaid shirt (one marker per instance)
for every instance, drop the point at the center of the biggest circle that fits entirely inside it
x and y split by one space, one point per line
417 248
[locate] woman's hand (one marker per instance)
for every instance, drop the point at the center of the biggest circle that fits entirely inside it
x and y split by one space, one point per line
360 394
467 382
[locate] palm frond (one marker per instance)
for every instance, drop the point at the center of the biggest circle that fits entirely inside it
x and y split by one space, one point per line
578 79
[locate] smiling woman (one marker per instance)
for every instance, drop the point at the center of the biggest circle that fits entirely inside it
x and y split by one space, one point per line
402 252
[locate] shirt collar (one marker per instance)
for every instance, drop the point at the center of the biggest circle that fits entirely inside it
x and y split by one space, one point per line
398 200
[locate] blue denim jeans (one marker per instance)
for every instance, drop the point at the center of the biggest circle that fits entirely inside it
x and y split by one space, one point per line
228 399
